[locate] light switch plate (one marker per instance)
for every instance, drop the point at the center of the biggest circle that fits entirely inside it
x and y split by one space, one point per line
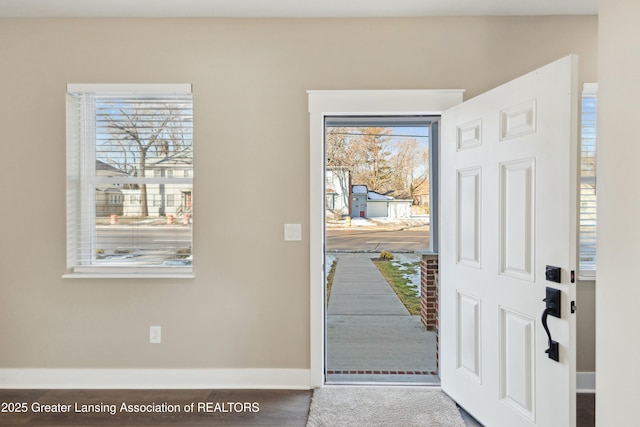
155 334
292 232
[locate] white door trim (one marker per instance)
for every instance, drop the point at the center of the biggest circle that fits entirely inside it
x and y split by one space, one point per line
343 103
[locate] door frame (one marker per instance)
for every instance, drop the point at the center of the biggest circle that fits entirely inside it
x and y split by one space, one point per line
343 103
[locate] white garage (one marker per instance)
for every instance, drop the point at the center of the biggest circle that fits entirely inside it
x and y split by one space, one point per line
381 206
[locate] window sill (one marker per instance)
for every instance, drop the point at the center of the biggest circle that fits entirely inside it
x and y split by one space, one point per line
128 276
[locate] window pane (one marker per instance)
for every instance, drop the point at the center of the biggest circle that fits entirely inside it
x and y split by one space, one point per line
123 237
143 137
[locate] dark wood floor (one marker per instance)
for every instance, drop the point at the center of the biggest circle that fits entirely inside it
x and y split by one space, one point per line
210 407
586 416
174 407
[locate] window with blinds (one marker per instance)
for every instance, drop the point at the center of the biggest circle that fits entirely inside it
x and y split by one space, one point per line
129 179
588 189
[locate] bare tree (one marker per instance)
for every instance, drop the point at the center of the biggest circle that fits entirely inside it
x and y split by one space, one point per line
378 161
141 129
411 167
369 154
337 146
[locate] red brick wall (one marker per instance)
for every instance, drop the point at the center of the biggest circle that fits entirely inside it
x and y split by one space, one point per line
429 291
429 296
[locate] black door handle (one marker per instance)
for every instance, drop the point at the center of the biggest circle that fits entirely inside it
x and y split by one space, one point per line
552 308
553 351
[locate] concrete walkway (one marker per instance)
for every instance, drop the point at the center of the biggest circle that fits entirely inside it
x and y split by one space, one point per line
370 335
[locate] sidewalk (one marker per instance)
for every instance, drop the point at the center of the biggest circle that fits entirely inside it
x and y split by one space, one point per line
370 335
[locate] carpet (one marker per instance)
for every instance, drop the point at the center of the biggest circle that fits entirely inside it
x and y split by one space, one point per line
340 406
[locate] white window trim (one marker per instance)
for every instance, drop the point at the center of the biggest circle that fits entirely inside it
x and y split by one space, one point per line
79 274
126 88
356 103
87 190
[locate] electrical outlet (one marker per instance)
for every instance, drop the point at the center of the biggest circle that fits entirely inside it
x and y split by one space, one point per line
155 334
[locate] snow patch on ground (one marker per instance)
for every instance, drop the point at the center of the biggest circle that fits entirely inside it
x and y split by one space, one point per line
379 222
413 277
414 220
329 259
362 222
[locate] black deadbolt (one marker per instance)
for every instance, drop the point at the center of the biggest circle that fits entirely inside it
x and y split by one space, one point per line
552 274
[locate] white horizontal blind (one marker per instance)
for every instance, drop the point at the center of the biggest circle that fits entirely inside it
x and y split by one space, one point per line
588 189
130 178
74 173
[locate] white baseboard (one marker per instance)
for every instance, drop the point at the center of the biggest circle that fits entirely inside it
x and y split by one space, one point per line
155 379
586 382
290 379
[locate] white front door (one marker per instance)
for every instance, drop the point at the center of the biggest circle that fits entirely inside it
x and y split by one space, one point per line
508 203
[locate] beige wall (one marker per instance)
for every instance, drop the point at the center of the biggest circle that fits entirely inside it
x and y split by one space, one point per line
586 326
618 293
248 306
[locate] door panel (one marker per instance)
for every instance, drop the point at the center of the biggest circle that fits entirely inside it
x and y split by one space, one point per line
469 338
517 219
517 372
509 175
468 212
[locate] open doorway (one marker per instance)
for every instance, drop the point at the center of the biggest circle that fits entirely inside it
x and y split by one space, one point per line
378 214
324 104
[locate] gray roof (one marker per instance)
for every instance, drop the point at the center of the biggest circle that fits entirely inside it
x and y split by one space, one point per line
359 189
